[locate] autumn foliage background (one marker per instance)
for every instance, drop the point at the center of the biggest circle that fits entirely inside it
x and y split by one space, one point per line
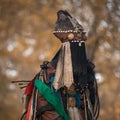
26 40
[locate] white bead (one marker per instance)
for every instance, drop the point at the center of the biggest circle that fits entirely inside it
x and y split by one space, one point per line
79 43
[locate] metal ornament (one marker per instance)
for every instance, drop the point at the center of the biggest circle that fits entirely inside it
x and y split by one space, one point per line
70 36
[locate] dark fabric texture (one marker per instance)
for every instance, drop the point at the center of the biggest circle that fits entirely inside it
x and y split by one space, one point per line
41 110
79 63
79 59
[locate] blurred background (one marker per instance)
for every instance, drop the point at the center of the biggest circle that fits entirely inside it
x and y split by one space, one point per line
26 40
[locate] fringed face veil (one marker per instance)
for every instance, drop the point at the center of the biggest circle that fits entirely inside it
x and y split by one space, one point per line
72 61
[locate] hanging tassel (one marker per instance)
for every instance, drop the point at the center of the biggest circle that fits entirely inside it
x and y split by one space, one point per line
64 71
73 113
73 110
76 114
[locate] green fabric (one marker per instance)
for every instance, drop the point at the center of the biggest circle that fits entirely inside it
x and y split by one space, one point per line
49 95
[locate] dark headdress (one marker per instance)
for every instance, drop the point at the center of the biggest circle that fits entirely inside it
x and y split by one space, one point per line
67 28
73 54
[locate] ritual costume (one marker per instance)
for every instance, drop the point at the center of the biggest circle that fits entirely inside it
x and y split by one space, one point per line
73 70
59 90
